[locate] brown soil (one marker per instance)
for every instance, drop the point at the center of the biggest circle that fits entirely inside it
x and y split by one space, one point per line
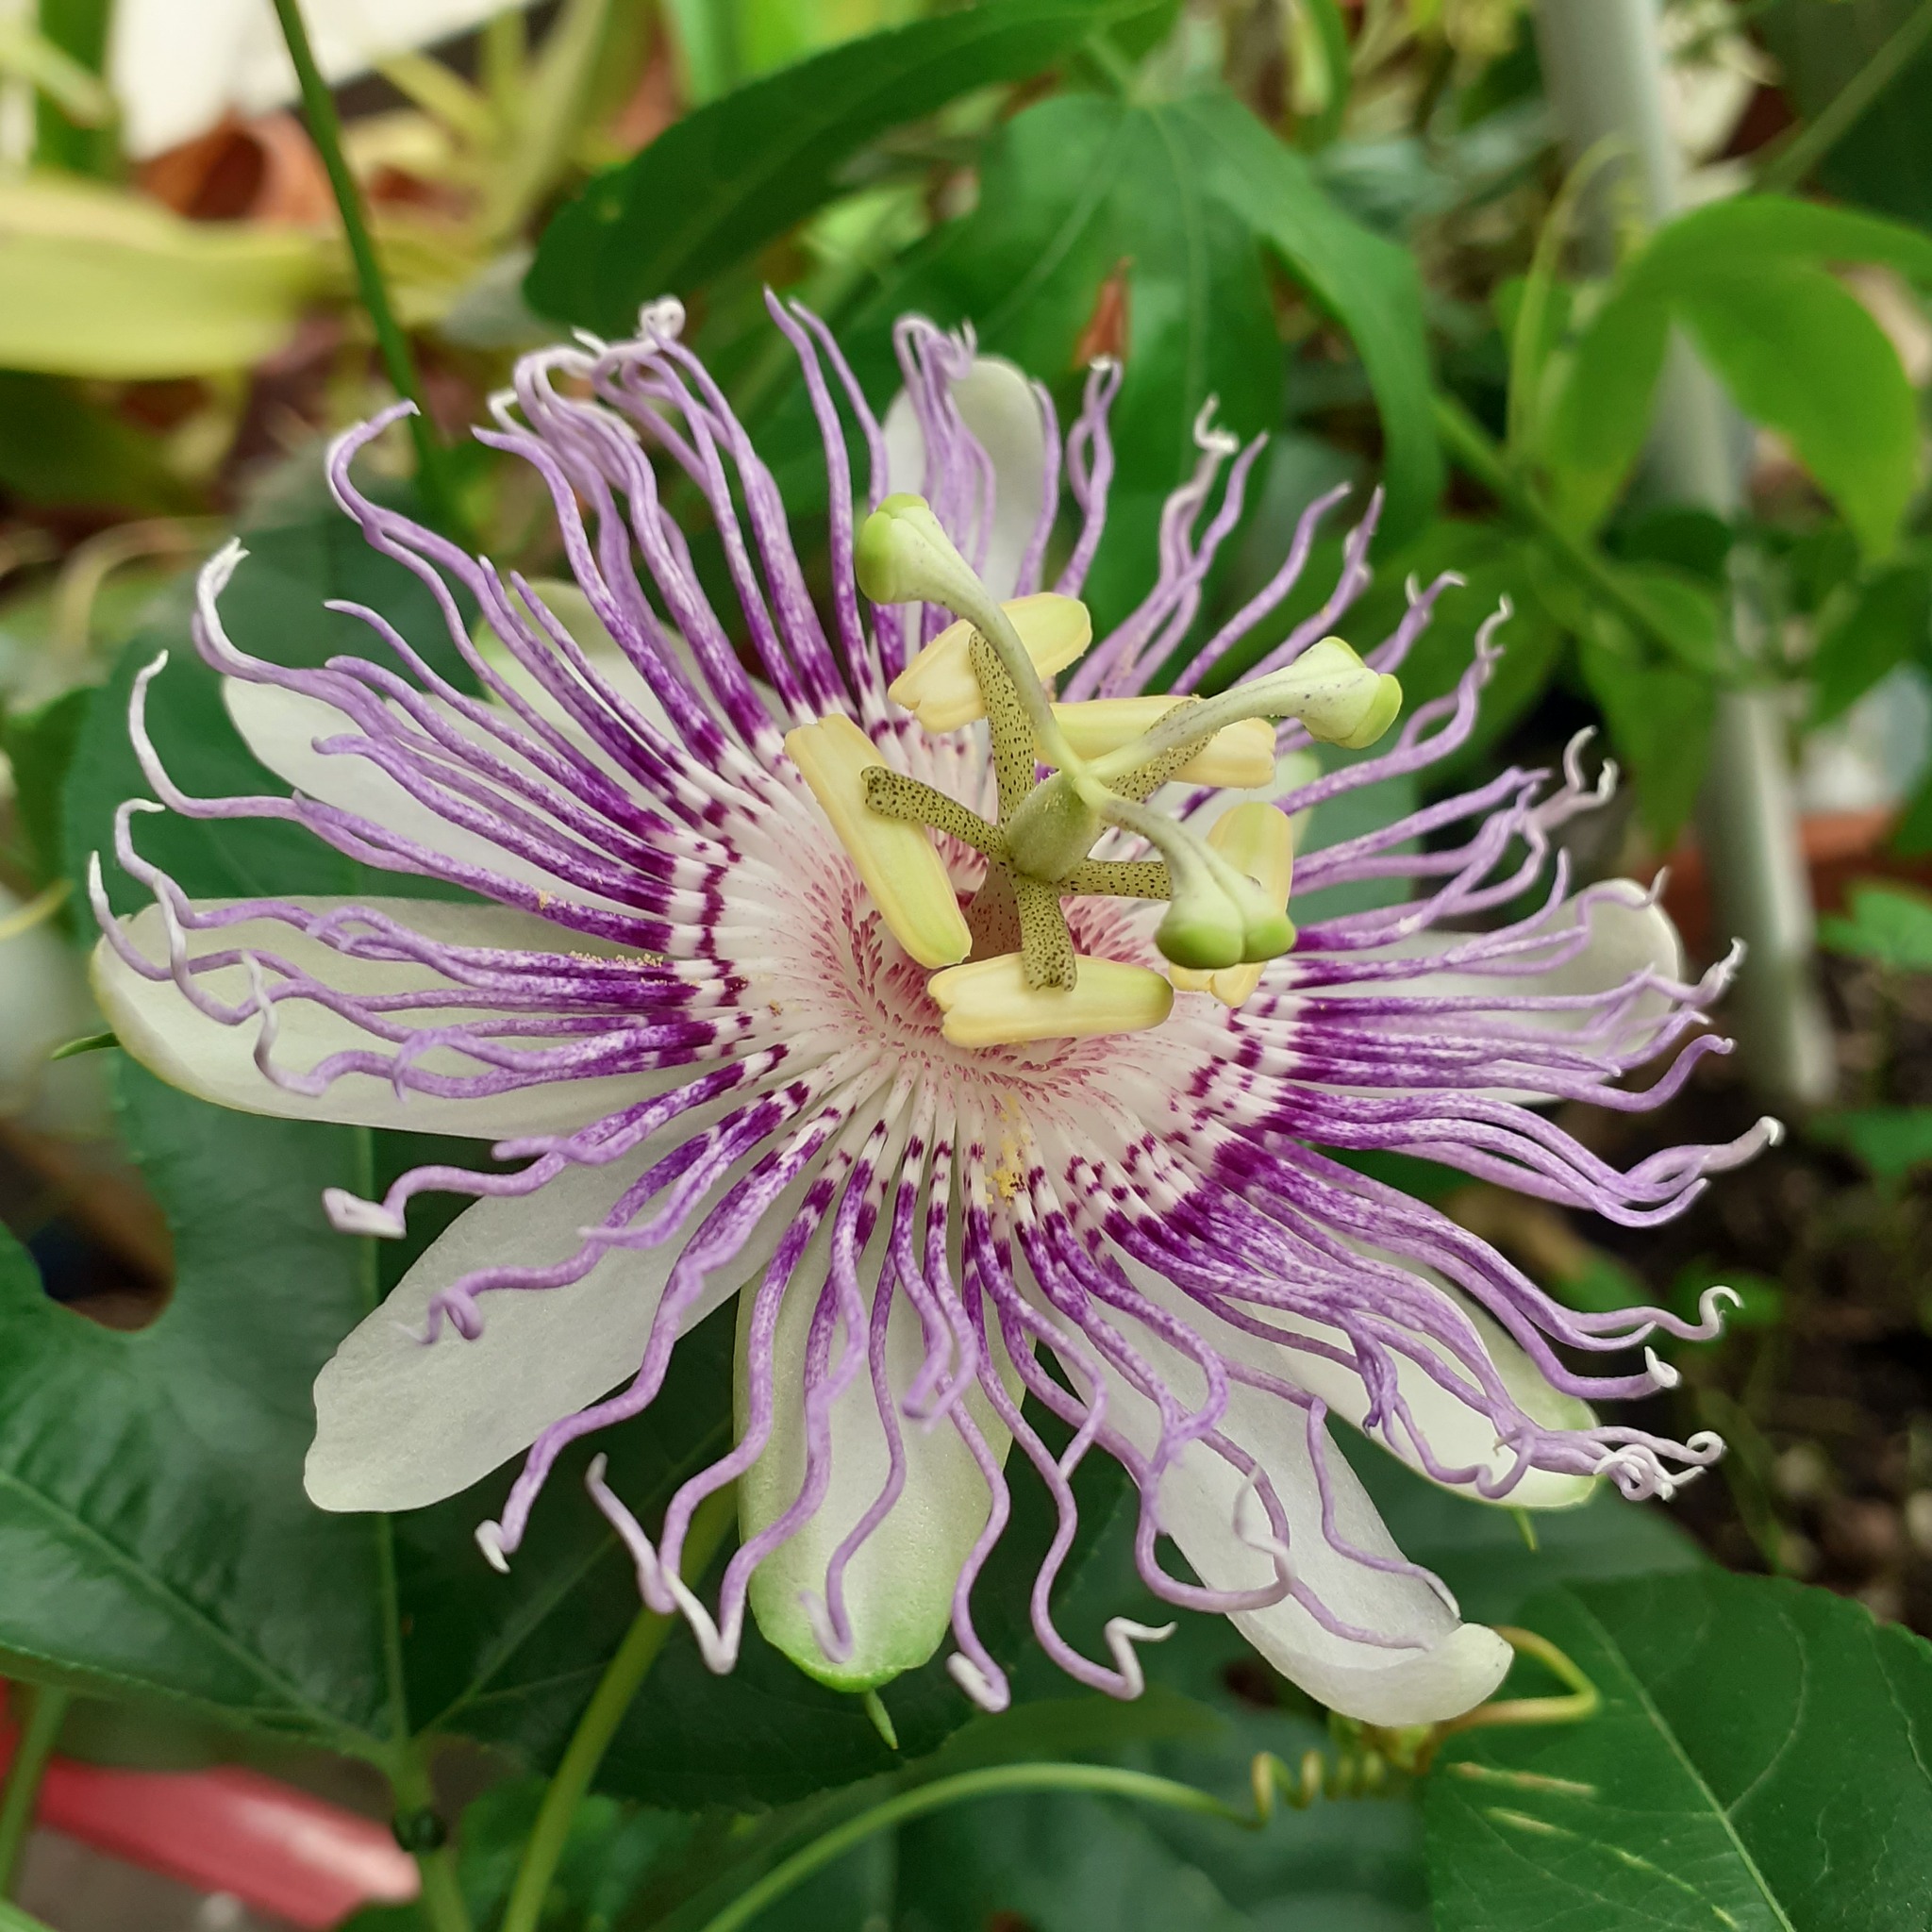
1828 1410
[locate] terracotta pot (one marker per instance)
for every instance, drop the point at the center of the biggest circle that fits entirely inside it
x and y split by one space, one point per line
1840 847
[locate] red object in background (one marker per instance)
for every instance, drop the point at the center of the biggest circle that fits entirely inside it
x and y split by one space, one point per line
1840 848
274 1847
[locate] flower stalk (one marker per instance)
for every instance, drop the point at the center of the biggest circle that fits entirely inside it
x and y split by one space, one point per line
419 1829
43 1710
617 1689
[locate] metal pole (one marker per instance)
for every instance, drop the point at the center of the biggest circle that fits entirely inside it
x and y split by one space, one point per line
1602 67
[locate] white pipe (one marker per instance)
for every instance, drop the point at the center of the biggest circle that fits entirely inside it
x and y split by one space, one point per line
1603 69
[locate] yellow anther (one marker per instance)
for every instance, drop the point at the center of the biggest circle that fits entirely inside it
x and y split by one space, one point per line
905 874
1238 755
939 687
990 1003
1258 840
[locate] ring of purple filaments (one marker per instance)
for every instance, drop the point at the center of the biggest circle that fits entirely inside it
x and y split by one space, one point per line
653 832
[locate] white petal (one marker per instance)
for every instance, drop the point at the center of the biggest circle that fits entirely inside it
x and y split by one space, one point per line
159 1027
1628 932
178 65
1446 1666
400 1423
898 1585
1459 1436
281 727
997 403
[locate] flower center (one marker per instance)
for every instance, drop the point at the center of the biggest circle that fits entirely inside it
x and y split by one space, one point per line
1010 972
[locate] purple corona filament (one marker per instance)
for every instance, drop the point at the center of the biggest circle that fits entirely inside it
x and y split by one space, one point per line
669 1001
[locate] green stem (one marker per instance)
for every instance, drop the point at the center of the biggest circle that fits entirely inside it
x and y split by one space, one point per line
1790 165
325 129
440 1900
406 1759
1107 1779
13 1919
1477 453
395 1679
40 1731
622 1679
1112 65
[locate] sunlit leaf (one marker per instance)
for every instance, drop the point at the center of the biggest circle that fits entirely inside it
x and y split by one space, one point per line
1747 276
1601 414
1885 622
1801 356
1660 718
99 283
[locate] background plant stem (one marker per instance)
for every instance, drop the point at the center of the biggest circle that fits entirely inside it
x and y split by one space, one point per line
324 128
43 1711
1472 449
1603 62
622 1679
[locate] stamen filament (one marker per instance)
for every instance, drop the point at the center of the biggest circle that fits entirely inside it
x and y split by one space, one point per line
894 795
1217 916
1046 947
1328 688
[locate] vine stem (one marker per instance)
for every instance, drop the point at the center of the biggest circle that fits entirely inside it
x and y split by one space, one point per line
1790 164
1477 453
440 1900
46 1708
442 1897
405 1760
997 1780
325 130
616 1689
13 1919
